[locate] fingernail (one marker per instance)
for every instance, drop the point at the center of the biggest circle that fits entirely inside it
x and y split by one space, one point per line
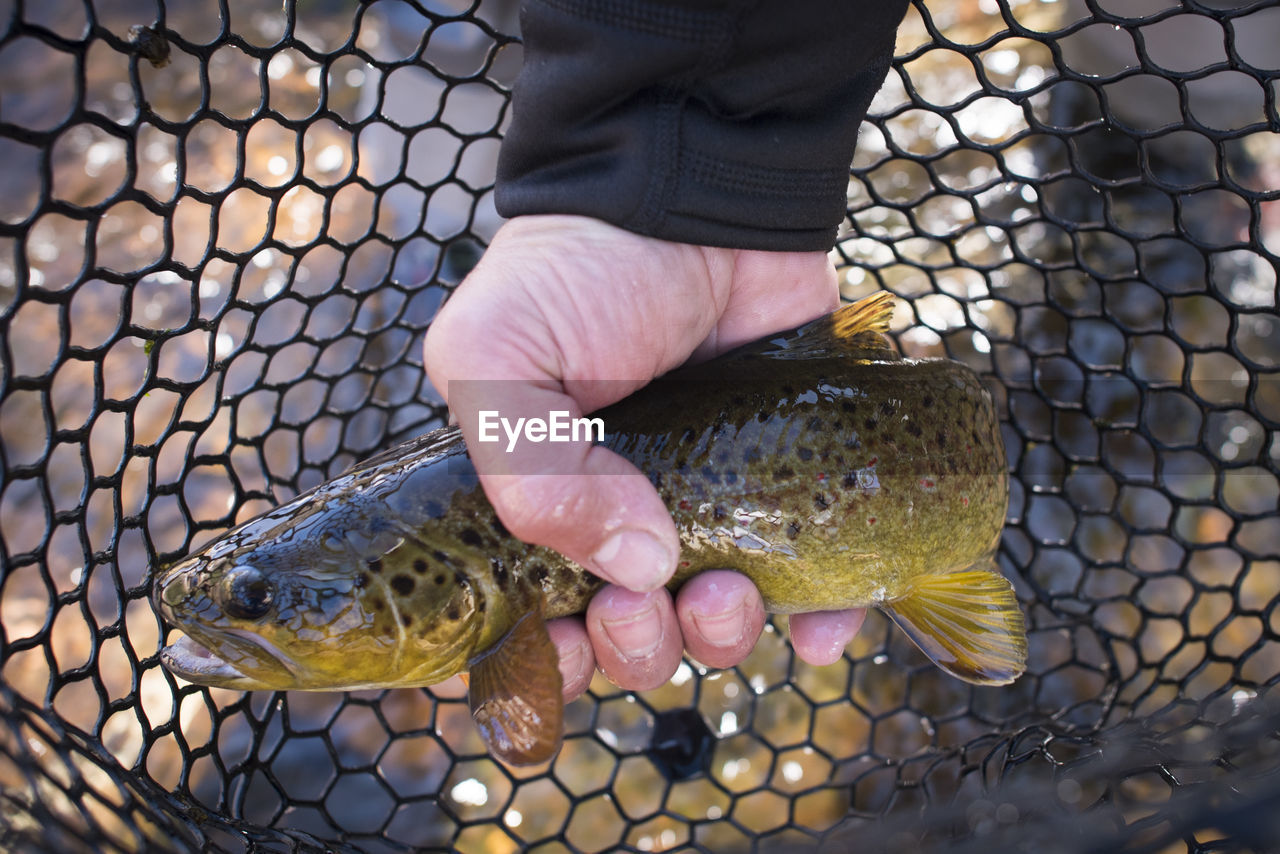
635 560
635 636
724 628
571 664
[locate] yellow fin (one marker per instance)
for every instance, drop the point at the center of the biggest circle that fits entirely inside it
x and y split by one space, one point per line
967 622
857 329
869 314
516 695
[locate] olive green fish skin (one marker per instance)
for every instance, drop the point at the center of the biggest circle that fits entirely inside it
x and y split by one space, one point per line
831 480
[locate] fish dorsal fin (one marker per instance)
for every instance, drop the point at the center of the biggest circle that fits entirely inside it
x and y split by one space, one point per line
515 692
868 315
857 329
967 622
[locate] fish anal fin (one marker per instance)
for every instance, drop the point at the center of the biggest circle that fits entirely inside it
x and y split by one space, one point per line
515 695
967 622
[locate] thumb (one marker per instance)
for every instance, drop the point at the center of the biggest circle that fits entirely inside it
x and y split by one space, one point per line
557 489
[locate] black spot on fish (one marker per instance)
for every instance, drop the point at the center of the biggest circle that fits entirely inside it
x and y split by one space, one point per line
887 407
783 473
710 474
435 509
850 480
453 613
718 512
913 429
941 438
440 557
499 528
848 406
540 573
731 477
814 424
805 454
820 501
377 604
375 565
406 618
362 580
402 584
853 443
927 401
751 455
420 566
500 572
471 537
439 579
870 424
793 530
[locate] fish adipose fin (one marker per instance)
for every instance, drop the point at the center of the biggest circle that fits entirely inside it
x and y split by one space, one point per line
515 692
967 622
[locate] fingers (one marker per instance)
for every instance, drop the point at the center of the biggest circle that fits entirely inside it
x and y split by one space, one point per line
721 616
605 516
637 638
820 637
577 659
635 635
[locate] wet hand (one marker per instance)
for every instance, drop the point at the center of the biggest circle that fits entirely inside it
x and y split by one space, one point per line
571 314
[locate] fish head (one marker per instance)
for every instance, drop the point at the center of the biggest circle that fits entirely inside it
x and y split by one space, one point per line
338 604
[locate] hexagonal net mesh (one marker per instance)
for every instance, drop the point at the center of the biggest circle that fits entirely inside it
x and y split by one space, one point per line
224 230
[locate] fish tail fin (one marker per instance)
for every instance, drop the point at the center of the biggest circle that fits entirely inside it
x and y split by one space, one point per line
967 622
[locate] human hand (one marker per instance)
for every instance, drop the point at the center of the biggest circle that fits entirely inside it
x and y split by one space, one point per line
559 303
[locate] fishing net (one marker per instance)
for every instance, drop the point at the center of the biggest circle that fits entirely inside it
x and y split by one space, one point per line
223 230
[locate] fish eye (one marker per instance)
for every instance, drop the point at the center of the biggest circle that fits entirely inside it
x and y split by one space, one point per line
247 593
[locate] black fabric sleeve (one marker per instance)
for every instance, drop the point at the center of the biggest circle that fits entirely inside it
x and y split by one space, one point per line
718 123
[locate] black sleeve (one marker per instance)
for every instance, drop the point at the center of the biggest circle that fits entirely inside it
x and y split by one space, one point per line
720 122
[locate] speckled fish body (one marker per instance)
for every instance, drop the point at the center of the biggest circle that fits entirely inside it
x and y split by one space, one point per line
827 469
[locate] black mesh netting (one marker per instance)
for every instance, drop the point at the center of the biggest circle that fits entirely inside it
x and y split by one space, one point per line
223 230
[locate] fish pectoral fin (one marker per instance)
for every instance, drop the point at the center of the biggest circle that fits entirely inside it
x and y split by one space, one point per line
967 622
516 696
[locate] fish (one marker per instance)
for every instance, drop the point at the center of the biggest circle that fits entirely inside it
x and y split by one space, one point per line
822 464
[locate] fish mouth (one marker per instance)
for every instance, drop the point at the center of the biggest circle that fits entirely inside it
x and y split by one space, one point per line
188 659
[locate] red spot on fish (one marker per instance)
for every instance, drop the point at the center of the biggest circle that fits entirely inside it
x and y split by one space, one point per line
927 483
684 564
871 520
964 499
872 461
685 505
822 476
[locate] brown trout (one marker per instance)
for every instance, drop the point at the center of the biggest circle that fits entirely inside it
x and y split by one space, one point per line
818 462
